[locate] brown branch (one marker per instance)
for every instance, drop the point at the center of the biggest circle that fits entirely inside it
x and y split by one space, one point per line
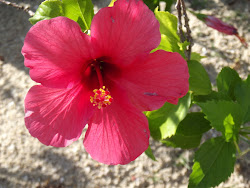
181 9
20 7
180 32
188 35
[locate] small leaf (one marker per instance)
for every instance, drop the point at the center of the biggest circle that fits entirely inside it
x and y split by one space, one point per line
196 56
213 164
242 94
150 154
189 132
80 11
164 121
229 126
47 10
199 81
225 116
183 46
227 80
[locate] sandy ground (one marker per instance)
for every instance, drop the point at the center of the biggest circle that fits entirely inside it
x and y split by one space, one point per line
25 162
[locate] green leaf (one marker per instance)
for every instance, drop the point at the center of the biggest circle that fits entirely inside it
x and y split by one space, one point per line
211 96
168 45
199 81
164 121
225 116
248 80
193 124
170 41
152 4
182 141
213 164
183 46
227 80
242 94
196 56
150 154
201 17
47 10
168 24
168 5
80 11
189 132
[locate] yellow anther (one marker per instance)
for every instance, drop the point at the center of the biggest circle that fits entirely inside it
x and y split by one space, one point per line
101 98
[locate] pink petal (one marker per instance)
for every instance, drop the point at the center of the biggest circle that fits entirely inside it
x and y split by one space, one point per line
223 27
57 116
125 31
117 134
56 51
163 77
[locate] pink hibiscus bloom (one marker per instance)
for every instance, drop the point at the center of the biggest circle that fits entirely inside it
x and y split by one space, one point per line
223 27
217 24
220 26
104 80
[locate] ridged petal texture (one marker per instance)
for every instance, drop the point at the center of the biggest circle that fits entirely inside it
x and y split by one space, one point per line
125 31
56 50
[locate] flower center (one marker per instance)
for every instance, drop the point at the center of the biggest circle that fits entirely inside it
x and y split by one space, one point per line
102 97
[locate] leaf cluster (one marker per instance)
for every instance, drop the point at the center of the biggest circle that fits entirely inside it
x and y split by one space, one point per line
80 11
225 108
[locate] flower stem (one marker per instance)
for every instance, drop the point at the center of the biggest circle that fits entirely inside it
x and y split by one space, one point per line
243 153
237 147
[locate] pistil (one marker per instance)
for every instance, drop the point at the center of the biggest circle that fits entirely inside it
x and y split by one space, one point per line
99 74
102 97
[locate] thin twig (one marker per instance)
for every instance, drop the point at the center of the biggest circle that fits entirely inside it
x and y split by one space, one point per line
178 8
237 147
181 10
20 7
188 35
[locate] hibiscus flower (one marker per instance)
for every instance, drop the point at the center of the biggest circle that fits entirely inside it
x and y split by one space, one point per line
104 80
223 27
217 24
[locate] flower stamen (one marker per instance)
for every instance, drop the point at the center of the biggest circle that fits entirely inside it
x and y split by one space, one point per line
101 98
